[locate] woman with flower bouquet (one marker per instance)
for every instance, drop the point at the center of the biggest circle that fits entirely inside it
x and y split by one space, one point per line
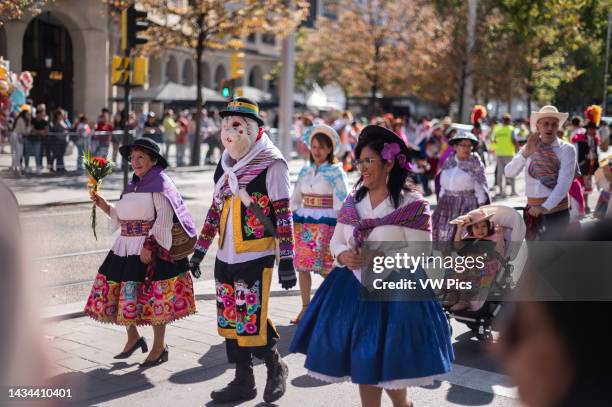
145 278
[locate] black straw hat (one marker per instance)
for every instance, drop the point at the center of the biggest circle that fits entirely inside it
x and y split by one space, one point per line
144 143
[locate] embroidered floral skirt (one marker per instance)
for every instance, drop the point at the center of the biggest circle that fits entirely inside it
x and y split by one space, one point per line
243 291
312 237
120 296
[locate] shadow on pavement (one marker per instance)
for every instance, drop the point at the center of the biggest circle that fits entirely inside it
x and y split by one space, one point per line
464 396
216 357
100 384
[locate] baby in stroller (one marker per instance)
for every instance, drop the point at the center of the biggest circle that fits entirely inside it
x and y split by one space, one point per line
483 247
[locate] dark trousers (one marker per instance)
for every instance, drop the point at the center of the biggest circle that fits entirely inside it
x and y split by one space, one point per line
238 354
553 226
213 142
243 291
58 149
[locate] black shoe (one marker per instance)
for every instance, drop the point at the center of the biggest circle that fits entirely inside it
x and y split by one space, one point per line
163 358
140 343
276 384
241 388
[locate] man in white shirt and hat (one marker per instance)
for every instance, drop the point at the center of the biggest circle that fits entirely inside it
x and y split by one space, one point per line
550 167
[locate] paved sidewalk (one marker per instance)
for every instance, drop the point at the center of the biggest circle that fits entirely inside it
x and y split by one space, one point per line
81 352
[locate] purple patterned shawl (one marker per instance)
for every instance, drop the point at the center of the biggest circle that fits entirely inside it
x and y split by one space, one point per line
156 180
415 215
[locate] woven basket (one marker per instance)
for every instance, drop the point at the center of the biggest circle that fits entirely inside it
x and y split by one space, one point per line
182 244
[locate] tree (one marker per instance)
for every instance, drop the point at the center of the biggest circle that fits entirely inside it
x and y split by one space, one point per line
200 25
376 46
535 48
14 9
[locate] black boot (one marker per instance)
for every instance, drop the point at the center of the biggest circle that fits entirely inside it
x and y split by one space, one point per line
241 388
276 384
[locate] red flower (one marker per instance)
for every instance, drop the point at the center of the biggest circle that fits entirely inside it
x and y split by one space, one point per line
99 161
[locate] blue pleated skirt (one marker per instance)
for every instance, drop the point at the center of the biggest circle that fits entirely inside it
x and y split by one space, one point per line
394 344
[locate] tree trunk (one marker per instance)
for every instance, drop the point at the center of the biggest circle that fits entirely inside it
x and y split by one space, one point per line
373 98
346 97
460 106
197 141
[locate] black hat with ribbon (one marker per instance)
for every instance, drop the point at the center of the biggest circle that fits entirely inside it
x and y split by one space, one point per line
243 107
144 143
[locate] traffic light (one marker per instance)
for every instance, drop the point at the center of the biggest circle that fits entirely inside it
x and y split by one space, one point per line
227 86
139 73
121 70
132 22
237 65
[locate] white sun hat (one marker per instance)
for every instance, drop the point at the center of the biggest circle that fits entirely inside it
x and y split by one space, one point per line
546 111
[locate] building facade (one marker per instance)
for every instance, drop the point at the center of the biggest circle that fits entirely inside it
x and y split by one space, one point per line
69 45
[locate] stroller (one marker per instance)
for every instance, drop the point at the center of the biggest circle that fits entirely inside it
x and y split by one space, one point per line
480 320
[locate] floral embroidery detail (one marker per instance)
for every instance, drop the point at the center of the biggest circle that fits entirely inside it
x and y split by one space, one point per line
253 224
130 303
312 247
238 307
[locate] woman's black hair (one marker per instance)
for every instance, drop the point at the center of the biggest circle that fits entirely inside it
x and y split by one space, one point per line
375 138
490 228
326 141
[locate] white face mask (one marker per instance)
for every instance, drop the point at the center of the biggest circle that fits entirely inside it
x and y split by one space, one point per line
238 134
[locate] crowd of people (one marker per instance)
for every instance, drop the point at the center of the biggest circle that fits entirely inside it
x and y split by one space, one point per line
36 134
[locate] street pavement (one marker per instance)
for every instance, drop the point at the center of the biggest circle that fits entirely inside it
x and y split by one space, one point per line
55 218
80 352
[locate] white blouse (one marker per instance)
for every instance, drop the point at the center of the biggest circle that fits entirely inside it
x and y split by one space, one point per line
142 206
313 183
343 240
457 180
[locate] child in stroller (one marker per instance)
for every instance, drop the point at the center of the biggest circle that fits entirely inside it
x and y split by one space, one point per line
484 241
495 279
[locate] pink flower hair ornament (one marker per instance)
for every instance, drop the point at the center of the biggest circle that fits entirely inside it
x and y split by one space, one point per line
392 151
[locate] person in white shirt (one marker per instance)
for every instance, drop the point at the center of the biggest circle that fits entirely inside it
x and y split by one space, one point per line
550 167
463 188
317 196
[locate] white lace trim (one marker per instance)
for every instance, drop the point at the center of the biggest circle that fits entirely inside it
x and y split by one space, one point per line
388 385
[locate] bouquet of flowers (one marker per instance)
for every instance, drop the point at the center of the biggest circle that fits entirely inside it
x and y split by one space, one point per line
97 168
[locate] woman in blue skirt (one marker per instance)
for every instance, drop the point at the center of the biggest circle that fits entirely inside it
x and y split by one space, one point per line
378 345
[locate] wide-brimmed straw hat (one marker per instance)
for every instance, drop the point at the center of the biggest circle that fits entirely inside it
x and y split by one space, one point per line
546 111
326 131
144 143
475 216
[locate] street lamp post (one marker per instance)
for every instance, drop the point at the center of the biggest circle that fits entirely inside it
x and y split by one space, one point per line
285 110
605 87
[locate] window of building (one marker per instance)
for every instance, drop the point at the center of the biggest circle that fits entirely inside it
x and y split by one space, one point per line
268 38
